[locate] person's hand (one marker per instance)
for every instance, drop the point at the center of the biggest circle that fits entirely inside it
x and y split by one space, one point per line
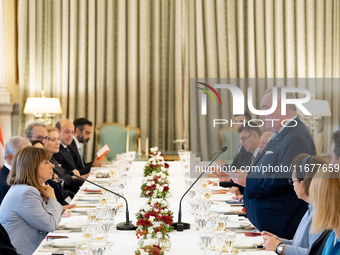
55 177
221 162
266 233
85 176
241 179
235 190
213 183
239 198
270 243
217 174
97 163
76 172
70 206
270 240
47 192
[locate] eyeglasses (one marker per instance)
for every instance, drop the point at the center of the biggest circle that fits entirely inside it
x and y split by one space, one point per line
291 181
243 139
40 138
54 139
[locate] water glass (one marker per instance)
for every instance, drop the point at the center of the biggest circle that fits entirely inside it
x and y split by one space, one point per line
206 237
97 247
91 215
82 248
229 239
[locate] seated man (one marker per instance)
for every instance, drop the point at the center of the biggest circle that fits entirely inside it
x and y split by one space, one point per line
242 157
12 146
65 130
82 134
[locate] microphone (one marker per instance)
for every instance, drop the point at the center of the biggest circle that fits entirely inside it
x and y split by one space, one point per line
127 225
180 226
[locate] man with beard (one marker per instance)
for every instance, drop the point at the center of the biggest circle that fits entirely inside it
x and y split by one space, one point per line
82 134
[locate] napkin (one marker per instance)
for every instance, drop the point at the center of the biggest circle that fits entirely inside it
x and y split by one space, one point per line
63 243
75 224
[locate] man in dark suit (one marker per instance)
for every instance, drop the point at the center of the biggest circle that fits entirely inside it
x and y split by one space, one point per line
65 129
82 134
12 146
242 157
271 203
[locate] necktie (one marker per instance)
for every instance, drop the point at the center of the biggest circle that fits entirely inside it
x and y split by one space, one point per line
81 155
252 159
275 135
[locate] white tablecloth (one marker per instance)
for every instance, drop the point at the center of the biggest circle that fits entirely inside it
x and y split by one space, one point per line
125 242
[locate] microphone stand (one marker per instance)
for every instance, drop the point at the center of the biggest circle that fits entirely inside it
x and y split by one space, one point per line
127 225
180 226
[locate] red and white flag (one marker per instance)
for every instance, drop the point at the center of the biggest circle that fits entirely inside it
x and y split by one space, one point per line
2 149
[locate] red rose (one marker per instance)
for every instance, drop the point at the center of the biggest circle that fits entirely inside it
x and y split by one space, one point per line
167 219
166 165
152 213
144 222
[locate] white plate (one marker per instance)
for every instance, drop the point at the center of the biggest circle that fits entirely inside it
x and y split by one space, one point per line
236 225
76 224
63 243
248 242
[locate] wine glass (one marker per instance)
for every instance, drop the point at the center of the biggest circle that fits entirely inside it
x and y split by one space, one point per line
206 235
82 247
229 239
97 247
91 215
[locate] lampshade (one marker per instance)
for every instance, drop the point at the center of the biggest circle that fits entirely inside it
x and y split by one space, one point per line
36 105
318 108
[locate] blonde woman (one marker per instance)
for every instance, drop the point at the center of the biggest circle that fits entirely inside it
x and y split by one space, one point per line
303 240
325 196
30 209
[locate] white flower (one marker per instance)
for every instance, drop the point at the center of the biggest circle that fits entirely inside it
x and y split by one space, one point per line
147 207
161 189
156 224
159 234
148 184
152 182
152 218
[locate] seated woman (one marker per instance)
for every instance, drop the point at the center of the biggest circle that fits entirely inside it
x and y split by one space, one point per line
303 239
60 174
30 209
325 197
54 182
71 183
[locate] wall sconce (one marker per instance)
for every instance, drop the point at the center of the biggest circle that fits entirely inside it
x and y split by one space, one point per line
43 108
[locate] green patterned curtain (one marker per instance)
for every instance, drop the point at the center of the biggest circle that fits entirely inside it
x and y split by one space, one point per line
110 61
130 61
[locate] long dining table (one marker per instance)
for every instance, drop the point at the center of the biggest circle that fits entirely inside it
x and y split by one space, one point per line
125 242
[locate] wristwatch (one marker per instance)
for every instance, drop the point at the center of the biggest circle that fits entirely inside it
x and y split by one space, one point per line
279 248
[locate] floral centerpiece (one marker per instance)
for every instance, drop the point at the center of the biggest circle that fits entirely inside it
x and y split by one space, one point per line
156 185
150 250
155 220
156 164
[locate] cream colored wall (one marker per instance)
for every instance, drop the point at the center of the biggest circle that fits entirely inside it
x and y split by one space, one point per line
10 48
